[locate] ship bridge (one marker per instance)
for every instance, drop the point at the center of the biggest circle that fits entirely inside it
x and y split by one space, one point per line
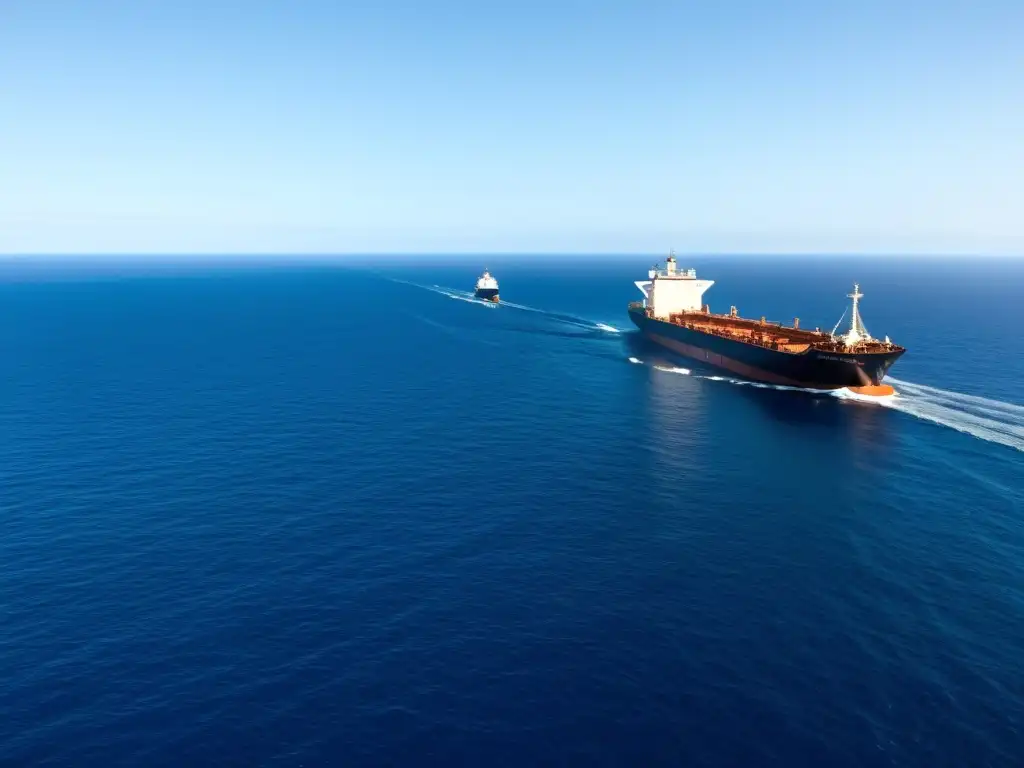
486 281
670 290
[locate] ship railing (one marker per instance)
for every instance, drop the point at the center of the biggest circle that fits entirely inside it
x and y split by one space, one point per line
689 273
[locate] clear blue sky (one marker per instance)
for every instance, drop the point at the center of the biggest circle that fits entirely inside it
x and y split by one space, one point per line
442 126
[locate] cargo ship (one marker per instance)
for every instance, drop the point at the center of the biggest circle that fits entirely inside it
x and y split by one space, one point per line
486 287
671 314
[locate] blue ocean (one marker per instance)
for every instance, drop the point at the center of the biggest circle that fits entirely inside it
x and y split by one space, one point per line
303 513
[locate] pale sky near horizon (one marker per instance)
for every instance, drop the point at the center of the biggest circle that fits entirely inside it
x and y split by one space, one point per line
445 126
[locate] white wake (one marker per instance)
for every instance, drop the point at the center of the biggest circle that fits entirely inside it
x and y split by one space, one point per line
468 296
984 418
457 295
992 420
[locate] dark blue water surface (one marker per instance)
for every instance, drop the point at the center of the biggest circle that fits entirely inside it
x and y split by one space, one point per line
314 515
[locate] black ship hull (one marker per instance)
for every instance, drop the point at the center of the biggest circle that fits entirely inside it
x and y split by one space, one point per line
812 369
487 294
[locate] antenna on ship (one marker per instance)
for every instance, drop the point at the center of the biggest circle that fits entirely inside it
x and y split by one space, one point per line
857 320
857 332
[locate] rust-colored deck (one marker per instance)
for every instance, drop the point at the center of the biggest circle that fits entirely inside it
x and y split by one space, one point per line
770 335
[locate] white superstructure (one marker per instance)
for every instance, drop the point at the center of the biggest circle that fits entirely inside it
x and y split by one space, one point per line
486 282
671 290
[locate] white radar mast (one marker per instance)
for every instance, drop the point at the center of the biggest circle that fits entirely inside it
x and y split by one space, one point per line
857 332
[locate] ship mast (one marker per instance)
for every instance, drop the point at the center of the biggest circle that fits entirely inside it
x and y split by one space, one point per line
857 332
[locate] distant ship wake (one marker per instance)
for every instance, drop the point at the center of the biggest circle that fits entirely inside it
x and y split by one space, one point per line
468 296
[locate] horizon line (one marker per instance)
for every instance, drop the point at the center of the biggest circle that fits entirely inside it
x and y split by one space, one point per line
8 255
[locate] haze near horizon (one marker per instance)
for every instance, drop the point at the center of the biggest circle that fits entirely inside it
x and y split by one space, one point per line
516 127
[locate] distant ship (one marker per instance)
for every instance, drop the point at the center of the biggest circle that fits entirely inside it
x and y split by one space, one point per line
671 314
486 287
